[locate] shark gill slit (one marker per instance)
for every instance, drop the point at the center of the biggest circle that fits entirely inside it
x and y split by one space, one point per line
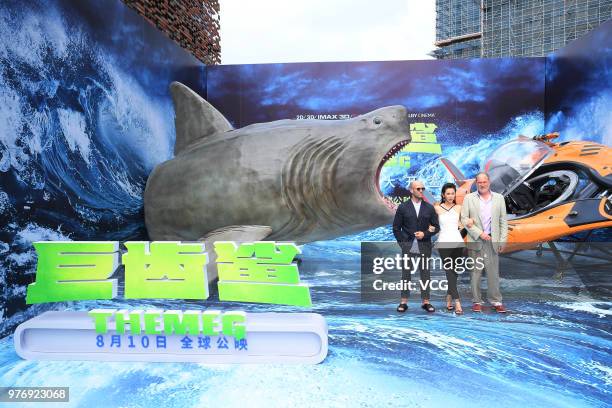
307 185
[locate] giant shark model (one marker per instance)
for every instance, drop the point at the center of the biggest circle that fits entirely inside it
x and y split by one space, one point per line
287 180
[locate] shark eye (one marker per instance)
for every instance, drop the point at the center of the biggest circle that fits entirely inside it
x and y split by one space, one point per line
377 121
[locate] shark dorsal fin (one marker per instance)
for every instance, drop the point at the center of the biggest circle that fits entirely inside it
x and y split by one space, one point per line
195 119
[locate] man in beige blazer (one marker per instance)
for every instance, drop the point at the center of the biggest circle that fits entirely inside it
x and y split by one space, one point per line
486 237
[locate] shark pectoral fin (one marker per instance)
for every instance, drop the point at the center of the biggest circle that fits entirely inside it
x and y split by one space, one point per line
238 233
195 119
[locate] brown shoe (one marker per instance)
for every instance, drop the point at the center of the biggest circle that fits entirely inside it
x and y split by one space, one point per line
476 307
500 309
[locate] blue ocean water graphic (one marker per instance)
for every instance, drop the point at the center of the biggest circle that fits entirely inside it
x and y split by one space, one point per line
553 349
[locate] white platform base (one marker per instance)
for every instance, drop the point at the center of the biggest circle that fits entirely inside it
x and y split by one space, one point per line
271 338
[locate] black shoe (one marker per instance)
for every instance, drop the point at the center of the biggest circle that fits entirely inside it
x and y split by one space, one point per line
402 307
428 307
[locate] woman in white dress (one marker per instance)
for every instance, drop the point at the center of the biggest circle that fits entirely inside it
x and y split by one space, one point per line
450 242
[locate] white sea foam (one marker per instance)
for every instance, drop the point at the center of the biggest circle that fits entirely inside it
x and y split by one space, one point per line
27 236
31 39
128 110
38 123
591 119
21 258
588 307
603 370
475 153
5 203
134 190
33 232
146 126
31 35
74 129
11 121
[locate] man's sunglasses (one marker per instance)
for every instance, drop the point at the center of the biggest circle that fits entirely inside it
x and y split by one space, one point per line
420 188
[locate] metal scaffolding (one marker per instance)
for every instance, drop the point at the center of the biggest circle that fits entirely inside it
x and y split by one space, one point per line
513 27
458 29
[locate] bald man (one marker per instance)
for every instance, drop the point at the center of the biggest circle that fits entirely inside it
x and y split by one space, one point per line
411 229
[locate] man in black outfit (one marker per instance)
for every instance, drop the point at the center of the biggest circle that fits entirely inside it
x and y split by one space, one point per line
411 229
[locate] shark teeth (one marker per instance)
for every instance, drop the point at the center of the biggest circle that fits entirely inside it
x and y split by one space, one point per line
392 206
394 150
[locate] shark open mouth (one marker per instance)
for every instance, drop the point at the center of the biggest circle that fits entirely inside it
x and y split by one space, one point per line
390 202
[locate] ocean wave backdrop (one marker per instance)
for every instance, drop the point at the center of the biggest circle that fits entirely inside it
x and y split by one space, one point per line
85 114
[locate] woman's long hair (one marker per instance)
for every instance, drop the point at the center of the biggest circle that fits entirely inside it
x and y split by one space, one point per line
446 187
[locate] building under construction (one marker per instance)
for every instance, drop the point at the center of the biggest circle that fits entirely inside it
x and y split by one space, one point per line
501 28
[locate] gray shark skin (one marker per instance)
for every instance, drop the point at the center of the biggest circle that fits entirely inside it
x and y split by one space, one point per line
287 180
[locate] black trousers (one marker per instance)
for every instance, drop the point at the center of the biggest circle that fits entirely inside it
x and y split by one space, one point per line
451 275
425 274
